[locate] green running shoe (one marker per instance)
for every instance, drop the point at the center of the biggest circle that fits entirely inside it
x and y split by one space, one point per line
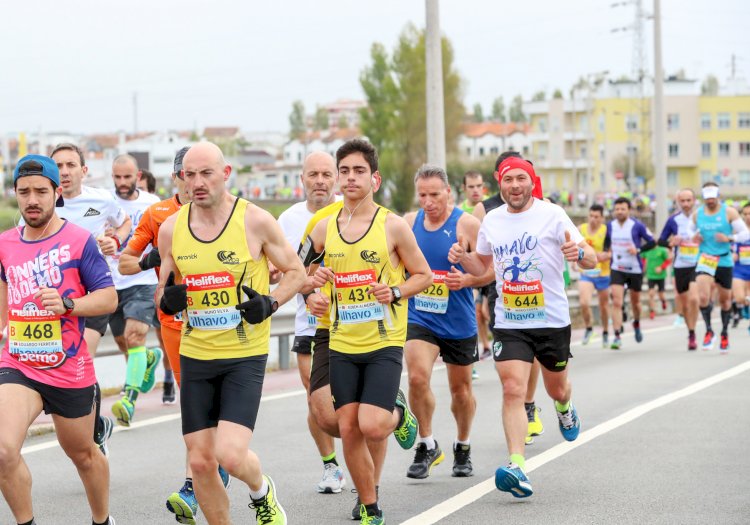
365 519
183 504
124 410
268 511
406 431
153 358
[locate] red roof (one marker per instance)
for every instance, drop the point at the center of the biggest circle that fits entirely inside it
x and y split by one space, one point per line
478 129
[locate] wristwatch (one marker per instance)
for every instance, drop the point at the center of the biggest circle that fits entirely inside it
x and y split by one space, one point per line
395 294
274 305
69 305
581 253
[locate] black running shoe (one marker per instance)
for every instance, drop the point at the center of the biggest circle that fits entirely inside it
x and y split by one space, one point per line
357 504
424 460
462 461
168 396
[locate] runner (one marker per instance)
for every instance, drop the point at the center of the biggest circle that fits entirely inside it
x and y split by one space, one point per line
630 238
527 240
365 255
597 235
95 210
442 321
717 226
221 257
741 272
678 234
656 261
45 364
318 180
135 310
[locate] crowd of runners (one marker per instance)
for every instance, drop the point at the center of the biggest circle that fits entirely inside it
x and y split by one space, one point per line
373 290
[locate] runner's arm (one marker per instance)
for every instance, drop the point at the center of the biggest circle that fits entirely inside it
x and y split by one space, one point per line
405 244
3 305
739 228
167 260
317 245
479 211
142 237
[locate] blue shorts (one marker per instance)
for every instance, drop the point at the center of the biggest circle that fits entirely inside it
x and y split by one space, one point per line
741 271
600 283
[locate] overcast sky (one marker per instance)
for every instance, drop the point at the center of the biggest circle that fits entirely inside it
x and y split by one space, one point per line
74 65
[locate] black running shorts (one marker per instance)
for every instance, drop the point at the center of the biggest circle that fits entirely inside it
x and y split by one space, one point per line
319 368
634 281
220 389
722 277
683 277
461 352
302 344
551 346
656 283
372 378
65 402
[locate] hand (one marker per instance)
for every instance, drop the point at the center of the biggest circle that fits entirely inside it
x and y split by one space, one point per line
318 303
174 299
602 256
454 280
257 308
676 240
458 250
151 260
569 248
698 237
51 300
658 269
322 275
107 245
633 250
382 293
720 237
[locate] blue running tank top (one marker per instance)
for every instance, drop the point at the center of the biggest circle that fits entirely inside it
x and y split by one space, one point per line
708 226
448 314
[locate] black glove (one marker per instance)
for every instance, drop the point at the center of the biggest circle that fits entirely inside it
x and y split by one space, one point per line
258 308
174 299
151 260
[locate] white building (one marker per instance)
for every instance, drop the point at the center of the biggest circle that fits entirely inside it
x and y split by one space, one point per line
486 140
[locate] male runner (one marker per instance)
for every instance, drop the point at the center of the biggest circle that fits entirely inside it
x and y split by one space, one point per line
367 250
218 248
630 238
95 210
442 322
656 261
318 180
51 277
596 234
741 272
527 239
717 226
678 234
147 182
136 310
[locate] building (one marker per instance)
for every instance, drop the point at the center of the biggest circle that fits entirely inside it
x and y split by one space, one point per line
486 140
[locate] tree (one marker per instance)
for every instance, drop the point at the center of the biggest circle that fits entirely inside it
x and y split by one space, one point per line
395 118
710 86
320 122
297 125
642 167
515 112
478 115
498 110
557 94
343 123
539 96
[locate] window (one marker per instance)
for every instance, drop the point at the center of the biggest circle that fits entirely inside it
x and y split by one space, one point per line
706 176
494 150
543 125
631 123
299 156
705 120
722 121
602 123
744 149
672 178
723 149
584 152
481 151
555 124
743 120
468 152
674 150
602 179
706 150
744 176
602 152
673 121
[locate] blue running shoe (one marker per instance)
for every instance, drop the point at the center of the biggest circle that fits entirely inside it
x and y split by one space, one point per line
183 504
153 358
570 425
226 479
513 479
638 334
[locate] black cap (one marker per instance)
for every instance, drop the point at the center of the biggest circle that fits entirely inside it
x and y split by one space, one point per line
178 159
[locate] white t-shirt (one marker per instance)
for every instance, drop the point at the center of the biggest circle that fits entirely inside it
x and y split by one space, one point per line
529 264
293 222
134 209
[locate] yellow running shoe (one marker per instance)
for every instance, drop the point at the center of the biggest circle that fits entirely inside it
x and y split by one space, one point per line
268 510
536 428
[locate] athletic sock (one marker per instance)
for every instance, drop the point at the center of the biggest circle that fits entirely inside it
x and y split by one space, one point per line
105 522
330 459
691 333
137 362
32 522
429 441
562 408
636 323
189 483
519 460
261 493
168 376
605 333
373 509
726 316
464 442
706 313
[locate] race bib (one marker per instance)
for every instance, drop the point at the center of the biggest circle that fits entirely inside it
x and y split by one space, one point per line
707 264
523 302
35 338
687 253
210 304
435 298
744 255
354 304
312 321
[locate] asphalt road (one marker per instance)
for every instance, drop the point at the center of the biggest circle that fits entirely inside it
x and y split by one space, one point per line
664 440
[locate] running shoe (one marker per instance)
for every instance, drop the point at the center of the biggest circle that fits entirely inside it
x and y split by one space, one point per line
652 315
724 344
513 479
536 428
124 410
638 333
528 440
570 424
358 504
474 373
692 343
183 504
406 431
745 312
424 460
587 336
679 321
735 321
605 340
708 340
153 358
267 509
226 479
333 479
367 519
616 343
462 467
168 395
102 439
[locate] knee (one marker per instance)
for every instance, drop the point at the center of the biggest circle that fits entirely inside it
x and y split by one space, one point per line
349 429
419 382
9 457
558 391
462 395
513 388
83 458
374 430
231 459
202 463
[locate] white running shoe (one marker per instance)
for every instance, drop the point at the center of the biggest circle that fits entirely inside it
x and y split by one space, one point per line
333 479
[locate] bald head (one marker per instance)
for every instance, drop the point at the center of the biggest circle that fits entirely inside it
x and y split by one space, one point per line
206 174
205 151
319 176
125 159
318 158
686 200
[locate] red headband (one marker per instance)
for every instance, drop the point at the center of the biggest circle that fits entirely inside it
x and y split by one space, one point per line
517 163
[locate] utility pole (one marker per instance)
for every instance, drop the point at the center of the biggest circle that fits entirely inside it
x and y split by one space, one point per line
659 164
434 85
135 112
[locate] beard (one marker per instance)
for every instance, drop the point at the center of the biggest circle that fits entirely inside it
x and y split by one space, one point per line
518 205
125 192
39 221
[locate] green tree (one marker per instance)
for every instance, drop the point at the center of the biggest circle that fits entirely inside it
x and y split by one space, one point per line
297 125
395 119
343 123
710 86
557 94
515 112
320 122
498 110
478 115
539 96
